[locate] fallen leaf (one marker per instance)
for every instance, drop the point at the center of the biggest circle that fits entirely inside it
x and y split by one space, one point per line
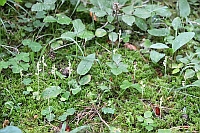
156 110
130 46
6 123
94 17
68 129
35 116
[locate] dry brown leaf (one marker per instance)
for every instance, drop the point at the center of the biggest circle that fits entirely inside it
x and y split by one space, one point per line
6 123
130 46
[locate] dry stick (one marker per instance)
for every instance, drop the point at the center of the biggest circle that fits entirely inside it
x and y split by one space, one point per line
102 118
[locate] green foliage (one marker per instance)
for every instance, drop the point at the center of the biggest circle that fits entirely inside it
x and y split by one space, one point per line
10 129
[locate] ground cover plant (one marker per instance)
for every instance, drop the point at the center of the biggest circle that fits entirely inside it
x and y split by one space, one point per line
99 66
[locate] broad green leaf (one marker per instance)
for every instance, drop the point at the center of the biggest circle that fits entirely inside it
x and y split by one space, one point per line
159 46
35 47
63 19
189 73
10 129
85 80
26 42
142 13
114 130
117 58
128 19
16 69
140 118
159 32
141 23
23 56
137 87
26 81
123 67
78 25
159 10
50 117
78 129
47 110
176 23
113 36
85 65
50 92
87 35
100 13
74 87
164 131
181 40
148 120
64 116
149 127
4 64
108 110
147 114
126 84
184 8
196 83
65 96
49 19
116 71
2 2
40 7
110 18
68 35
100 32
128 10
50 1
155 56
111 64
176 70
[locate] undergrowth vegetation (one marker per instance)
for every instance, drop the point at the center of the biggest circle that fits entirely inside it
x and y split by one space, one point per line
99 66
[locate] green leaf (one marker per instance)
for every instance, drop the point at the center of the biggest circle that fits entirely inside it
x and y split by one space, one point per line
141 23
114 130
23 56
50 92
128 19
184 8
10 129
65 96
50 117
2 2
63 19
108 110
147 114
140 118
26 42
155 56
40 7
117 58
47 110
128 10
149 128
78 25
74 87
176 23
181 40
126 84
85 65
85 80
35 47
110 18
87 35
113 36
64 116
4 64
164 130
78 129
49 19
100 13
148 120
100 32
159 46
189 73
68 35
26 81
196 83
159 32
116 71
142 13
50 1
